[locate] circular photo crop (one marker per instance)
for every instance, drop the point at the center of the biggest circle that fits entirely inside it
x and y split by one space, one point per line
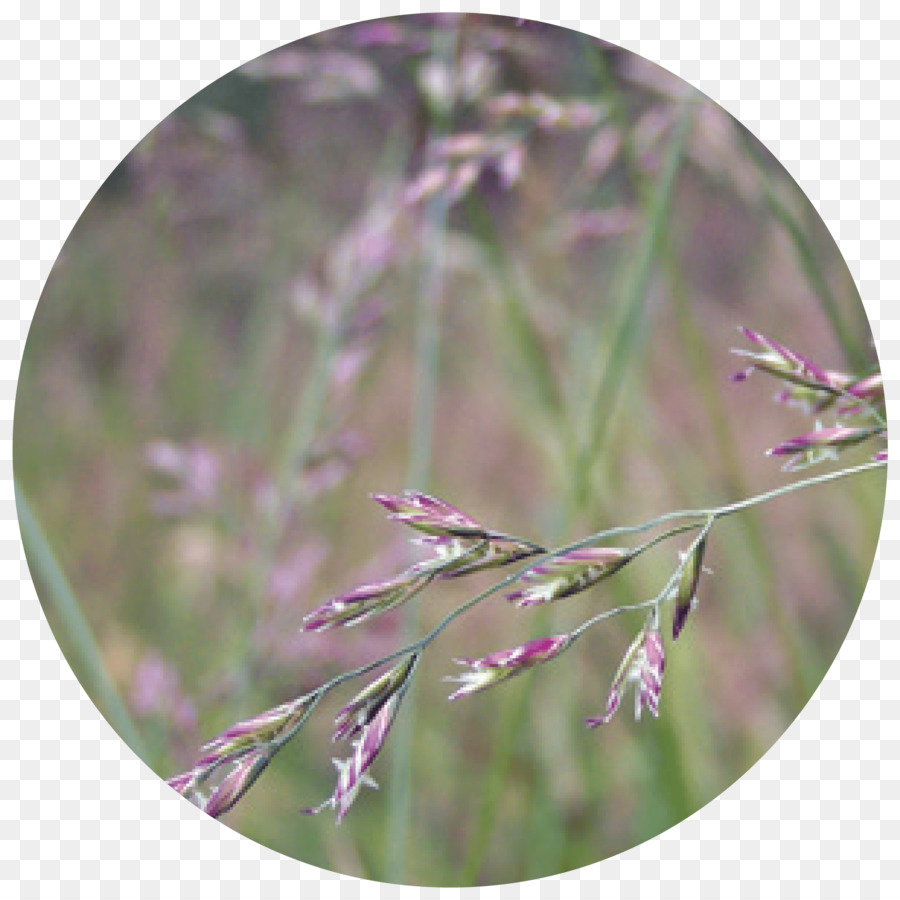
458 406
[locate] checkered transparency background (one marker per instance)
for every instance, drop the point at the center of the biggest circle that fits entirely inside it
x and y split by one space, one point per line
81 815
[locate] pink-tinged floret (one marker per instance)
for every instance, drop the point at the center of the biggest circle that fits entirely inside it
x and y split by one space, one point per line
567 574
364 601
353 772
237 782
183 782
780 361
686 593
643 665
839 436
365 706
504 664
429 514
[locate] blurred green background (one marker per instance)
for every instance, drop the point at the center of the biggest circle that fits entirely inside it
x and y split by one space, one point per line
357 265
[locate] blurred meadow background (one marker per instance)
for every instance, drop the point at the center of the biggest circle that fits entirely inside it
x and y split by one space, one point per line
495 260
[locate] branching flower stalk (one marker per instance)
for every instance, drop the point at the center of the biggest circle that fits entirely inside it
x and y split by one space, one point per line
233 761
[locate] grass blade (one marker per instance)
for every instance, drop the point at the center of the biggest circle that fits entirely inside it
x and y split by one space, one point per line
634 299
73 631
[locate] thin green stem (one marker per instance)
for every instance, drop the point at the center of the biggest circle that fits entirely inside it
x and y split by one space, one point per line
296 444
713 513
723 511
73 630
531 545
533 361
701 515
304 422
610 613
303 426
425 382
705 519
648 545
667 588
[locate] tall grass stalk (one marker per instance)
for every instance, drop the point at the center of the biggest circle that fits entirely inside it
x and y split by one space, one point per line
296 444
507 737
610 88
752 539
522 336
511 727
73 630
811 266
418 475
810 261
634 301
624 348
301 428
533 364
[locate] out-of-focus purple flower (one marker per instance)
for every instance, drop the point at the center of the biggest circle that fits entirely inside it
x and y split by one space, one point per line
363 708
643 665
686 592
156 691
348 366
569 573
598 224
602 151
330 460
505 664
381 33
353 772
458 161
471 145
475 73
880 456
426 184
292 576
196 471
509 165
823 443
648 135
430 515
152 684
546 112
366 600
320 76
463 177
237 782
